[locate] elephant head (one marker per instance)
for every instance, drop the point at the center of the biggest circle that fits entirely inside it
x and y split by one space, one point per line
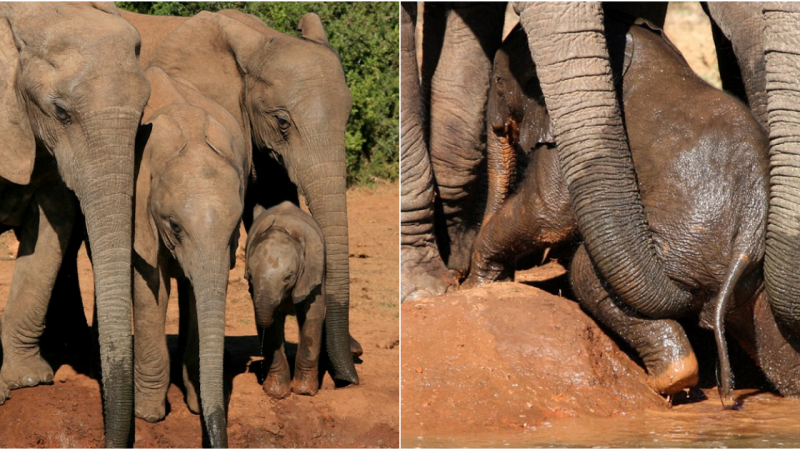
199 166
291 99
72 85
567 44
285 259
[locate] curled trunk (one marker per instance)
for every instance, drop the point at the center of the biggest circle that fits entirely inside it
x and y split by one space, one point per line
265 311
501 160
783 222
567 43
102 177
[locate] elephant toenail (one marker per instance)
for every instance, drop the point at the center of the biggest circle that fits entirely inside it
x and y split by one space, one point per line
13 385
30 381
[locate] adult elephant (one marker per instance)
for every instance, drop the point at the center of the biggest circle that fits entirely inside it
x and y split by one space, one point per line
289 96
568 47
423 269
72 97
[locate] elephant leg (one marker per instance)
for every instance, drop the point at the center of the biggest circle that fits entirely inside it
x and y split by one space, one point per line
423 269
662 344
741 28
66 326
44 235
150 353
189 346
458 98
310 318
278 381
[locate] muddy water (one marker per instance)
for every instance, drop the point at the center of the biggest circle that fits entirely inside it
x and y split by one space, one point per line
764 420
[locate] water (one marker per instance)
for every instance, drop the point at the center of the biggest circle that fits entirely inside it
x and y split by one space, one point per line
765 420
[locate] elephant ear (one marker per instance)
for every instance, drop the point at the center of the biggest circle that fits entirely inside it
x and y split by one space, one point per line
311 28
163 93
107 7
229 145
166 140
243 40
258 228
17 146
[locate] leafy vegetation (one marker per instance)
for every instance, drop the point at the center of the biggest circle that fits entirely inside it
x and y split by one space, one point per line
366 37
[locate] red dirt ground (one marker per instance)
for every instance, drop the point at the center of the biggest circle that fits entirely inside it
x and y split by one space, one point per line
510 356
69 412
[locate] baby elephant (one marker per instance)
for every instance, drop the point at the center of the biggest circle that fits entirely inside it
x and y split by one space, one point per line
285 269
701 163
192 169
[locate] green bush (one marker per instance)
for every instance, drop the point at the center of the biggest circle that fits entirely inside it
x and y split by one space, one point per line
366 37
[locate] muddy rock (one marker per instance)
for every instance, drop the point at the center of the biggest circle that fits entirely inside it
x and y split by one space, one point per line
511 356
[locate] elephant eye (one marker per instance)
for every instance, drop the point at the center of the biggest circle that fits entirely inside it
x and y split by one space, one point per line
283 123
62 114
288 277
174 227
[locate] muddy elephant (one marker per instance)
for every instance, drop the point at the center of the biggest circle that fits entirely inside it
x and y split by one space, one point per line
757 46
285 270
702 163
192 173
73 96
292 103
566 41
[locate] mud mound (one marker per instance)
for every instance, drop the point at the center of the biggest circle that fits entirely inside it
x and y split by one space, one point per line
510 356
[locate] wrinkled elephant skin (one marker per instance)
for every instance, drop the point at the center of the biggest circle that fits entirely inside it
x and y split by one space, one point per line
704 220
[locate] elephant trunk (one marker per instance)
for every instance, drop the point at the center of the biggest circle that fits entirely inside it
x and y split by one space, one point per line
783 222
567 43
501 159
210 283
323 181
265 310
101 174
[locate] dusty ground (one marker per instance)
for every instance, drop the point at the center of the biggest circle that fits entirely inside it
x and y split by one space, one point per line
69 413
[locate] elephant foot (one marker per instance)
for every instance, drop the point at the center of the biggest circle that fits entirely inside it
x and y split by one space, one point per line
192 400
355 348
477 279
486 272
192 393
305 383
28 372
151 408
278 384
421 280
5 394
677 376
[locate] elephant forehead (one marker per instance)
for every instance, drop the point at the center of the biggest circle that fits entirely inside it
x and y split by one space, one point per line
276 248
187 117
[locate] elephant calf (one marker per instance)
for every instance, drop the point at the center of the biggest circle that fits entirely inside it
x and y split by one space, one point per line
192 172
285 270
701 162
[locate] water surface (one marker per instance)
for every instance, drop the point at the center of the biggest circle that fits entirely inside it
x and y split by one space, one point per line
764 420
